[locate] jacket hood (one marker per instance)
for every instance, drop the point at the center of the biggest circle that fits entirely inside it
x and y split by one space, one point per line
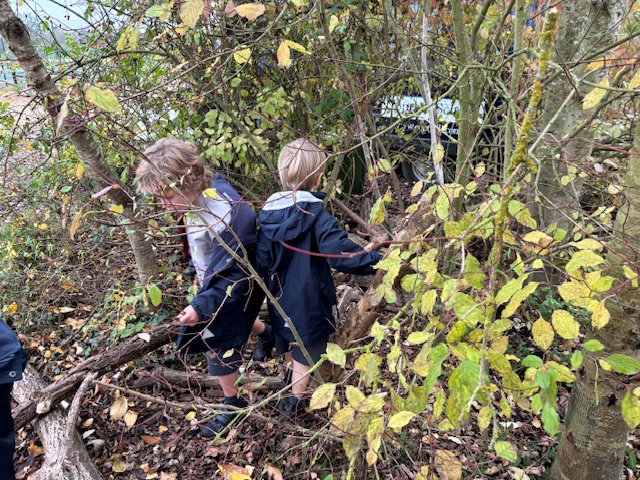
287 215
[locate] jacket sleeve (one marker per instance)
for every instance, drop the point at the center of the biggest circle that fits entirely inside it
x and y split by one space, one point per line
333 240
209 299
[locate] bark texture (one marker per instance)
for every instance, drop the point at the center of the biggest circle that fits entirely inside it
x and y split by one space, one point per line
17 37
593 447
585 28
65 455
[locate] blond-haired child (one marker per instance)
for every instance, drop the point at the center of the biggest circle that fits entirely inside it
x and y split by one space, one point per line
223 312
298 243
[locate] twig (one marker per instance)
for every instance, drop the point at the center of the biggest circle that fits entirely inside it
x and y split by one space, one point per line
74 410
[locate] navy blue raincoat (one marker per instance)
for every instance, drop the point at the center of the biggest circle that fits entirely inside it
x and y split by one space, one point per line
12 357
228 300
291 225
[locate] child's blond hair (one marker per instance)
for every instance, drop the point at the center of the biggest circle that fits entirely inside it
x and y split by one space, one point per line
179 162
299 164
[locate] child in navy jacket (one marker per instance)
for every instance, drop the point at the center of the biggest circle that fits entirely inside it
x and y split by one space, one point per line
224 311
12 363
298 243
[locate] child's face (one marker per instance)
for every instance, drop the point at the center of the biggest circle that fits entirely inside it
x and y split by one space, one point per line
171 201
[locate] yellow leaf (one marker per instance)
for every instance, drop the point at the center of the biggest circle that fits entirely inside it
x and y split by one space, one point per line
439 154
539 238
614 189
596 65
599 314
565 325
103 98
75 224
242 56
333 23
211 193
64 112
233 472
12 308
79 170
447 465
190 12
322 396
117 209
587 244
250 11
576 293
635 81
417 188
400 419
190 416
119 466
543 333
296 46
284 56
119 407
593 98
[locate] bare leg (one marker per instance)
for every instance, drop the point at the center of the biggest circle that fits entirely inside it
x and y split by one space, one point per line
299 379
228 384
258 327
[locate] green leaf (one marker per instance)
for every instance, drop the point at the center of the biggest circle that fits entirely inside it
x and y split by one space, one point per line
506 450
105 99
400 419
485 415
565 325
155 294
473 273
532 361
576 359
323 396
418 338
631 410
593 346
336 355
623 364
161 12
550 419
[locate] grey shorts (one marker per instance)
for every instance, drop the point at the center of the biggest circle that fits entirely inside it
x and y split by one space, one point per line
315 351
224 361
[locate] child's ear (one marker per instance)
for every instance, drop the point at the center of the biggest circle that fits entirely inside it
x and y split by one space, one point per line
319 180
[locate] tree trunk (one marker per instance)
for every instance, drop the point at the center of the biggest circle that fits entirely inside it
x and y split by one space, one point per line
17 37
65 455
593 447
43 399
585 27
359 322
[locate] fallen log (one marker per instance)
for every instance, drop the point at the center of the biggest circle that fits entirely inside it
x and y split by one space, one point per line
43 399
248 381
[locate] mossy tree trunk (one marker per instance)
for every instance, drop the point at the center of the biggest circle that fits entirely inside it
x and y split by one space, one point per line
593 446
585 31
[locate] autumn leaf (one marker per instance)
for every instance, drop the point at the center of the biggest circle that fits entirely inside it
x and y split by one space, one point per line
190 12
284 56
322 396
242 56
75 224
565 325
250 11
448 465
233 472
119 466
150 439
130 418
543 333
296 46
593 98
119 407
635 81
230 9
105 99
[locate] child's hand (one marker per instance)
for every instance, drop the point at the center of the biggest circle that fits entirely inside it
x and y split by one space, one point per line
188 317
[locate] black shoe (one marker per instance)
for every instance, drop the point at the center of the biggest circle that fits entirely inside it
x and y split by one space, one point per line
264 349
222 420
291 408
